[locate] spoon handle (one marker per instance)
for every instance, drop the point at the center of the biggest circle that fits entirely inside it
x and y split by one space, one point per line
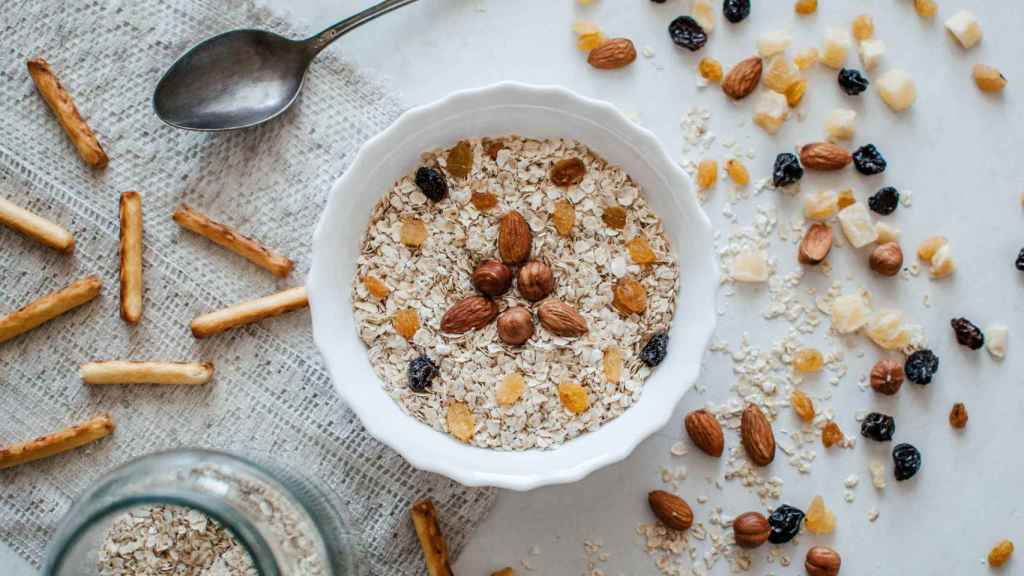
320 41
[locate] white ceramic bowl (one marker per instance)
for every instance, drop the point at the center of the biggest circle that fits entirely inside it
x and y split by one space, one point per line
538 112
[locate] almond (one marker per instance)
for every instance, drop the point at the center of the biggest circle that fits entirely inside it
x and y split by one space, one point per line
561 319
742 78
705 432
514 238
816 244
612 53
825 156
672 510
751 530
822 561
757 436
468 314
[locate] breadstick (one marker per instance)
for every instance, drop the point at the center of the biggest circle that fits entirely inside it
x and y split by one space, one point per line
131 257
128 372
67 439
35 227
59 101
435 549
49 307
245 247
249 312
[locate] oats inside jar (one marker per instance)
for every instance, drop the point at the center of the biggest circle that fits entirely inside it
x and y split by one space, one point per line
566 390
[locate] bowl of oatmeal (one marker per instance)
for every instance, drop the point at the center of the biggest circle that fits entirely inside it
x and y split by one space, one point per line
513 286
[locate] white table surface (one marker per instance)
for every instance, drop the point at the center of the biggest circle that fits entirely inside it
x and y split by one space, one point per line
957 149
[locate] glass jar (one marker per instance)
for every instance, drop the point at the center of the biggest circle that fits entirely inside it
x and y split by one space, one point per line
286 525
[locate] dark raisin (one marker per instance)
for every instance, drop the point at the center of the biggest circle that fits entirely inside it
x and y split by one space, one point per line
421 373
686 32
906 460
878 427
852 81
868 160
658 1
736 10
1020 260
655 349
432 183
885 200
785 522
921 366
967 334
787 170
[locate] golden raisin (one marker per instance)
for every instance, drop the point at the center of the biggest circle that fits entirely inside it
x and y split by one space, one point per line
612 364
588 42
846 198
564 217
1000 553
461 422
808 360
988 79
805 7
413 233
795 93
819 519
863 27
806 58
574 397
483 201
707 174
460 159
640 251
926 8
406 322
510 389
831 434
710 69
802 405
737 172
614 217
376 287
629 297
958 415
929 247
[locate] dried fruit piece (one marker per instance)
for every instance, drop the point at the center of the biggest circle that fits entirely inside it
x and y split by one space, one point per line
886 258
805 58
736 11
877 470
824 156
587 42
640 251
707 174
461 422
459 162
871 52
574 397
863 27
868 160
967 334
564 217
849 313
670 509
831 434
965 28
795 93
483 201
406 322
887 377
742 78
750 530
704 14
802 405
710 69
510 389
655 350
808 360
819 519
612 364
413 233
757 436
958 416
887 329
612 53
629 296
1000 553
852 81
942 264
805 7
837 46
737 172
687 33
515 239
771 43
582 27
926 251
846 198
770 111
787 170
780 74
878 427
989 79
887 233
822 561
885 201
821 205
906 461
897 89
840 124
515 325
921 366
432 183
568 172
996 340
376 287
561 319
926 8
815 246
750 267
614 217
857 225
705 432
421 373
785 522
492 147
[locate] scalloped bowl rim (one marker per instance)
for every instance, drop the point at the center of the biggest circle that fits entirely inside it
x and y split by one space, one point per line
425 448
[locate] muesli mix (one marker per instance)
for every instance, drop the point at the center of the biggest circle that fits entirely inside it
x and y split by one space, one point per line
515 293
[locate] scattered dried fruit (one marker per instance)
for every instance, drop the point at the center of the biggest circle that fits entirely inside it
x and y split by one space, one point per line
840 124
421 373
629 296
771 43
926 8
492 278
561 319
687 33
819 520
958 415
770 111
868 160
942 263
640 251
670 509
863 27
802 405
878 427
921 366
989 79
510 389
705 432
795 93
821 205
967 334
780 75
885 201
750 267
887 329
964 26
831 434
846 198
736 10
886 259
704 14
822 561
461 423
614 217
515 238
535 281
750 530
737 172
858 227
805 7
926 251
413 233
574 397
564 217
808 360
376 287
1000 553
515 325
887 233
655 350
707 174
470 313
612 364
787 170
806 58
756 436
743 78
815 246
587 42
785 522
459 162
483 201
996 340
568 172
612 53
871 52
710 69
406 322
906 461
837 46
852 81
824 156
492 147
849 313
432 183
887 377
897 89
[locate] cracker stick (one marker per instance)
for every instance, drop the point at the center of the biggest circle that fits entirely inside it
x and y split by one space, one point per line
67 439
249 312
245 247
59 101
131 257
435 550
35 227
131 372
49 307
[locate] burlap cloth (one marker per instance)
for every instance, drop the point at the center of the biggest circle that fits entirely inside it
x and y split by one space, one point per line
271 395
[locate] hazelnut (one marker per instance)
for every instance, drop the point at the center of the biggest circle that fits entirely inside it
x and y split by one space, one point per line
492 278
751 530
822 561
887 377
535 280
515 325
887 259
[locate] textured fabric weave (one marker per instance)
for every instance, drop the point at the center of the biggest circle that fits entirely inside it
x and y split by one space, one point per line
271 395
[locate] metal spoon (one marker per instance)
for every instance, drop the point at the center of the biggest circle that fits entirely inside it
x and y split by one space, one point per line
245 77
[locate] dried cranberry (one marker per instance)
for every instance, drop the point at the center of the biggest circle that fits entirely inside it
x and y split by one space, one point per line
868 160
421 373
787 170
736 10
785 522
967 334
686 32
878 427
921 366
906 461
852 81
885 200
432 183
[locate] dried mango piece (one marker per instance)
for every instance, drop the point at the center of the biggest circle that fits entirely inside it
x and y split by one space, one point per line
461 422
510 389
